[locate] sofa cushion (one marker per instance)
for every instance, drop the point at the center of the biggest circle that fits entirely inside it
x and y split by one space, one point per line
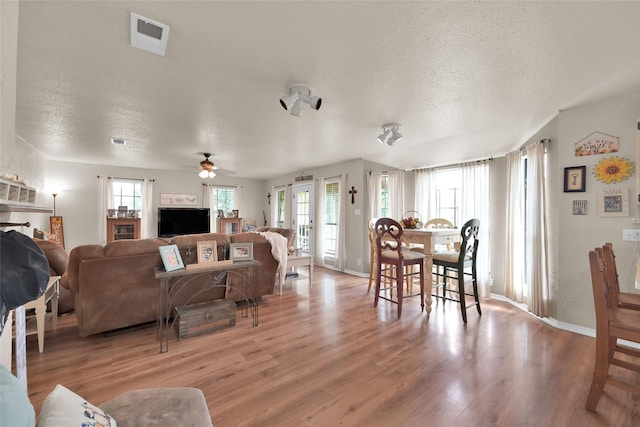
15 408
64 408
160 407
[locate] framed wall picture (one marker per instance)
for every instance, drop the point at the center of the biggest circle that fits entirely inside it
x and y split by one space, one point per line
178 199
57 230
241 251
575 179
207 251
614 202
171 257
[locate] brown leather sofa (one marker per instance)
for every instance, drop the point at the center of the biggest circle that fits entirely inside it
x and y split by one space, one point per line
114 285
58 260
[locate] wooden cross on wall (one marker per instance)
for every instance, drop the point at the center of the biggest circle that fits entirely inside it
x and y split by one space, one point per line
353 192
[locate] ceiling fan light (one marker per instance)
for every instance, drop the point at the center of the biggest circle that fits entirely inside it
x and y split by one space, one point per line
203 174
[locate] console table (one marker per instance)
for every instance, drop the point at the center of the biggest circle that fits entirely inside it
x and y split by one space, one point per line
172 284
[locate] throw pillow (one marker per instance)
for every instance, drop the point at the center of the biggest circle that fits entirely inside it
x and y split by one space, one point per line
15 408
64 408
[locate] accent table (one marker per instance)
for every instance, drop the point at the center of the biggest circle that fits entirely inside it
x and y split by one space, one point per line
52 294
301 260
170 284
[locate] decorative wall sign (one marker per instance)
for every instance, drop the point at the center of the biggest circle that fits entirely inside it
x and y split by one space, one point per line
613 169
57 230
614 202
178 199
596 143
579 207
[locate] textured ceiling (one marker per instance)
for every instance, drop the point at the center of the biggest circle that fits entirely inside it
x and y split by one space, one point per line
466 80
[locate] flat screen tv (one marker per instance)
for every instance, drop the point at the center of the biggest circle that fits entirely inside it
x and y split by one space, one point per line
178 221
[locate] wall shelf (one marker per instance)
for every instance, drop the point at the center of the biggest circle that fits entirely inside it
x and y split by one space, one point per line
4 207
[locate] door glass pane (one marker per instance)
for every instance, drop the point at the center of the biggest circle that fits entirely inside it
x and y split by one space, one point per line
330 229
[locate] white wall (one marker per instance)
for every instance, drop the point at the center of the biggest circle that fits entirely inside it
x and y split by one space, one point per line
77 202
578 234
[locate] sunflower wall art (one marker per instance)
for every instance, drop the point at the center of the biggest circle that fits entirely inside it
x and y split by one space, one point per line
613 170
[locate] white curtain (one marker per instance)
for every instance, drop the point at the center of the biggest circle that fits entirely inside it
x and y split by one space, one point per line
342 219
274 207
514 245
321 220
536 245
425 196
474 203
237 200
527 260
105 197
396 194
373 191
207 202
147 226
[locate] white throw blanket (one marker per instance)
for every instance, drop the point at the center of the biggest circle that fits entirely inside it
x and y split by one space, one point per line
279 251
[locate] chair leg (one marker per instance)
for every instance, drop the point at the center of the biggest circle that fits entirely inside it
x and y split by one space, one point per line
461 293
400 285
421 267
475 290
377 280
600 371
444 284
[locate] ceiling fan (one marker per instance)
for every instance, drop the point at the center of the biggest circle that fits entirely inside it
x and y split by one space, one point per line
207 168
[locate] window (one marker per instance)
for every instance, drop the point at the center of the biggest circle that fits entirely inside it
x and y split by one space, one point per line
448 185
384 196
280 207
223 198
127 192
330 229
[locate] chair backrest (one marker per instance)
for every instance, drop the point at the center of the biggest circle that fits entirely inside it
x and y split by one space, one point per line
469 244
388 233
610 273
600 292
438 223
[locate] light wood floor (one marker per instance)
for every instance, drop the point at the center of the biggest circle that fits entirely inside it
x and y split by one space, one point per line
328 358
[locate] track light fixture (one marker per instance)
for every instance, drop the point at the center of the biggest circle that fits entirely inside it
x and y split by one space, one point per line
293 100
390 134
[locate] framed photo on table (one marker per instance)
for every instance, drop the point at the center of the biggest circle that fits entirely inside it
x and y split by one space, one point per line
207 251
171 257
575 179
241 251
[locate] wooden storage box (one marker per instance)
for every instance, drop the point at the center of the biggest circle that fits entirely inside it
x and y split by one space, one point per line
200 318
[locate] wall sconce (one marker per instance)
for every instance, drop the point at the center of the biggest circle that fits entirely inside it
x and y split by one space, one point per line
269 197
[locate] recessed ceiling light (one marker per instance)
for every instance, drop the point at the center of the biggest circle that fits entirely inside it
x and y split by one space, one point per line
118 141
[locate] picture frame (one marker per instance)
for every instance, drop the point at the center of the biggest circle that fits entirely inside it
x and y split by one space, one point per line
57 229
207 251
613 202
179 199
171 257
241 251
575 179
236 213
220 213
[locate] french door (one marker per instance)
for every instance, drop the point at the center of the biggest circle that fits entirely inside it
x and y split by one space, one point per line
302 216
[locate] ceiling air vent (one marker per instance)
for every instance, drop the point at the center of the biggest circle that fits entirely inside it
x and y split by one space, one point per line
149 35
118 141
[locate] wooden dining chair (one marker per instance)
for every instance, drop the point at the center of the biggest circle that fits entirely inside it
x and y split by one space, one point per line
440 223
625 299
389 252
612 323
460 266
